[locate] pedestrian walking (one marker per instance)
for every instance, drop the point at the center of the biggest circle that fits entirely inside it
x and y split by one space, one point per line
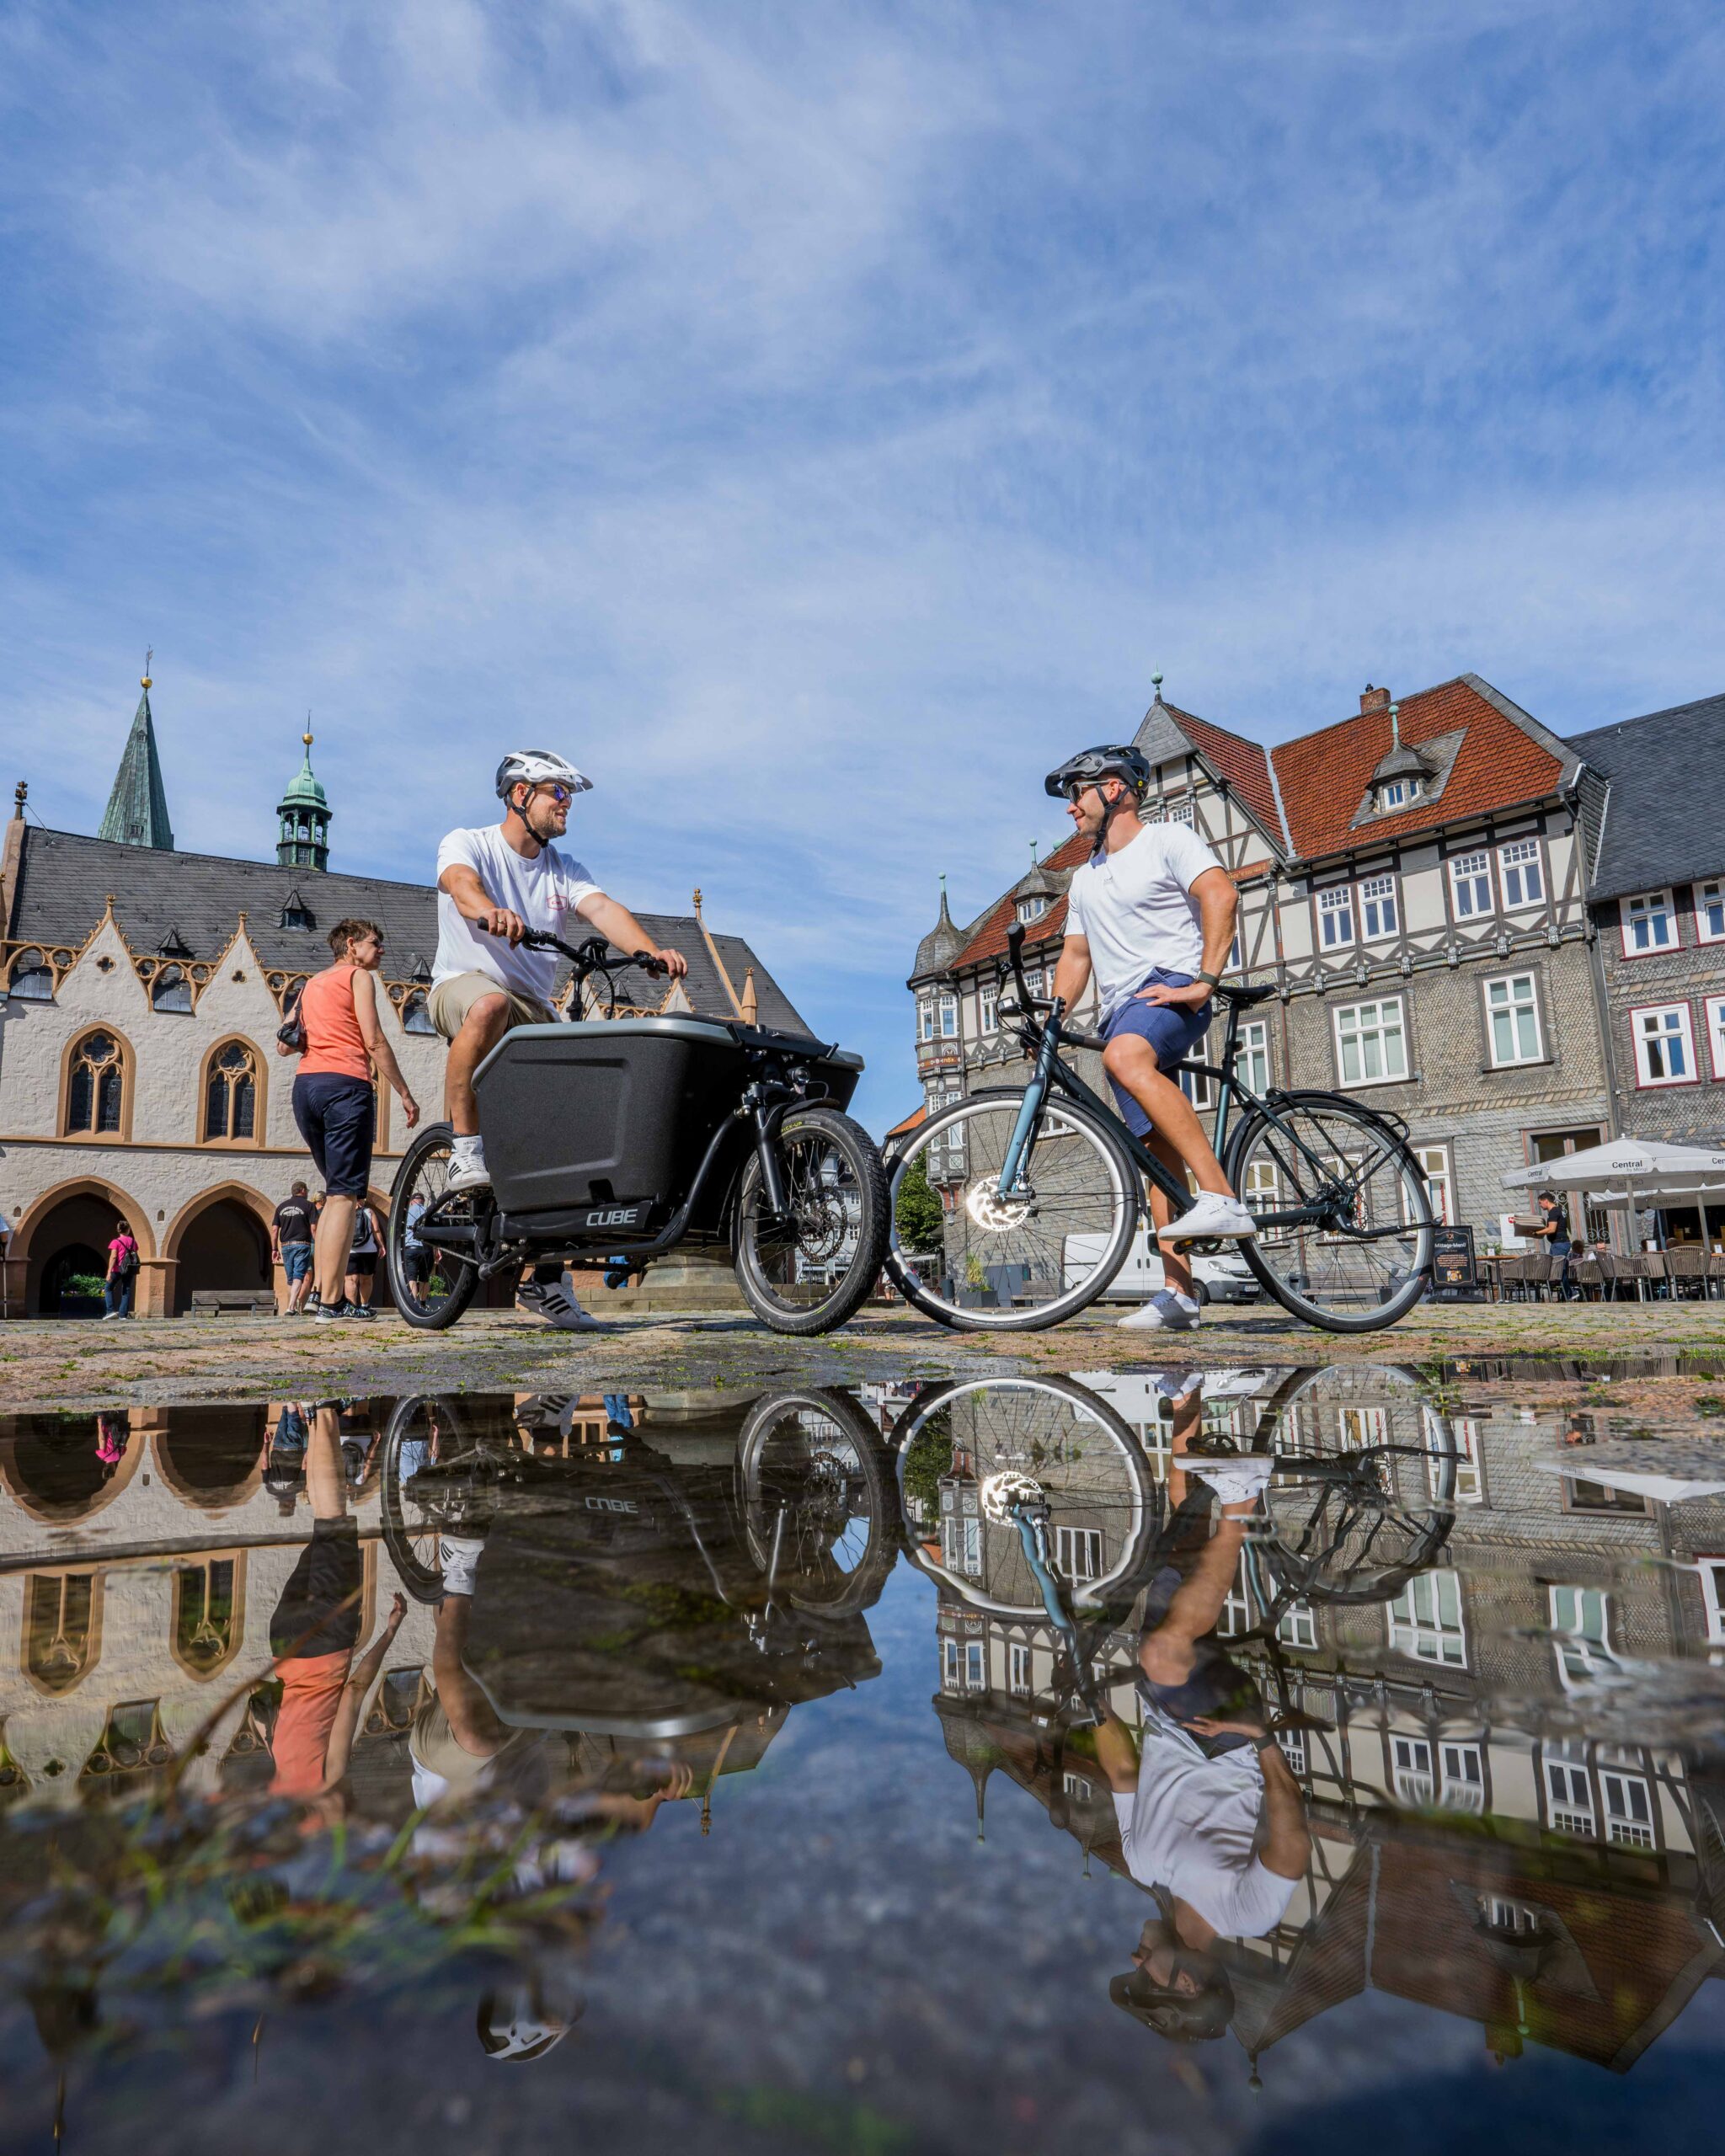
333 1102
122 1278
413 1250
293 1233
362 1281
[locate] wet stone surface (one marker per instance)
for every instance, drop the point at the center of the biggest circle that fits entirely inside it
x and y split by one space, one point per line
1236 1756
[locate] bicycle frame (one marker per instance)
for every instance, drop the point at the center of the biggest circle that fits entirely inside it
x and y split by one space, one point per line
1049 1075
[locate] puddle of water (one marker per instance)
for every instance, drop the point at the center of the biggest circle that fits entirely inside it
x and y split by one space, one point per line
920 1766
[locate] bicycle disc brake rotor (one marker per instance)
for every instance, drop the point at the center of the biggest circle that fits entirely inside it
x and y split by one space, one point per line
1001 1492
992 1212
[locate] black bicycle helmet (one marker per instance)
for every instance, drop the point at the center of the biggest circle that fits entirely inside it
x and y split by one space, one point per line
1090 764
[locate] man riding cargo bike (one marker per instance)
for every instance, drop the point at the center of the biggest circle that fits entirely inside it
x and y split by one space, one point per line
608 1140
1042 1185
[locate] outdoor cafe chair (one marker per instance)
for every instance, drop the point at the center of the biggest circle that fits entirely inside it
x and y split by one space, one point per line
1685 1264
1588 1275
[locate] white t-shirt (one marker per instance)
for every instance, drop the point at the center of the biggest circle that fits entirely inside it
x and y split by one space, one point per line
541 891
1191 1826
1134 909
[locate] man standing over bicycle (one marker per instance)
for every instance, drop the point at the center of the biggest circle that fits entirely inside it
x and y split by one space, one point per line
494 884
1151 914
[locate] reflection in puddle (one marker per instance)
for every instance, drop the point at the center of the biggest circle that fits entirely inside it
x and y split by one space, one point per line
1355 1683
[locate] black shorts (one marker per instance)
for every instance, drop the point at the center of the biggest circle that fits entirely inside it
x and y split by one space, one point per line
418 1266
330 1568
337 1119
362 1263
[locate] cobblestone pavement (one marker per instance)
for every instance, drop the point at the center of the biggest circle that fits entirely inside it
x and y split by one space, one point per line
60 1364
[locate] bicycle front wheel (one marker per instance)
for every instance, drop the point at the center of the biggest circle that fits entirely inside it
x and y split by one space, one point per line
431 1286
1366 1261
813 1268
996 1265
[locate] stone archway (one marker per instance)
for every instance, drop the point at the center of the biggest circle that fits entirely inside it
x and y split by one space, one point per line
211 1457
220 1240
76 1216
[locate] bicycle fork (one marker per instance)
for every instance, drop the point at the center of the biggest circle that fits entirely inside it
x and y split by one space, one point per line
1031 1521
1013 1185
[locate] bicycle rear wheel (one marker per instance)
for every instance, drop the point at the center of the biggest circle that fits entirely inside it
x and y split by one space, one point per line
1366 1263
816 1503
1014 1265
448 1282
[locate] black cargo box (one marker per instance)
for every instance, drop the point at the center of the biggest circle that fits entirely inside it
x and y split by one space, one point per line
621 1109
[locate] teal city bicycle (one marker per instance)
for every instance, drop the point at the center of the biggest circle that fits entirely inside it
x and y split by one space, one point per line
1042 1189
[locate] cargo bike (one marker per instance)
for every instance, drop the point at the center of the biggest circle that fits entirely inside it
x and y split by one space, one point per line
611 1141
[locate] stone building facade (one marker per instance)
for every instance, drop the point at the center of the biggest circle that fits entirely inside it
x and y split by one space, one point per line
1419 882
141 988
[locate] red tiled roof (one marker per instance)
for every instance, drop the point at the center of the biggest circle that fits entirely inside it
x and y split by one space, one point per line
918 1115
990 941
1240 763
1324 776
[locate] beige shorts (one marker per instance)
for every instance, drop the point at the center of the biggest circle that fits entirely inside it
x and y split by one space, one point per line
451 1000
434 1746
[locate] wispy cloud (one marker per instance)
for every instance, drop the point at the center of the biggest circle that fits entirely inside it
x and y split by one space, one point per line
821 419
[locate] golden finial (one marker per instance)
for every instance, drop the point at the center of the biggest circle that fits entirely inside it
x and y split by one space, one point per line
307 736
144 681
698 902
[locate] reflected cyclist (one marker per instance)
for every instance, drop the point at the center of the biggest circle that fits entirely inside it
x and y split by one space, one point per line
494 883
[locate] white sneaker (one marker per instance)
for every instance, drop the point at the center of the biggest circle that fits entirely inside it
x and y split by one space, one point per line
467 1168
552 1301
1237 1481
458 1559
1166 1312
1213 1214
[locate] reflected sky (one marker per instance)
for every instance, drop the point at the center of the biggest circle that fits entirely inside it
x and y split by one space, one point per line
1230 1756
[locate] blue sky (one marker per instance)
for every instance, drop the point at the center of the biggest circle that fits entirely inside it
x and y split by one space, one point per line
817 419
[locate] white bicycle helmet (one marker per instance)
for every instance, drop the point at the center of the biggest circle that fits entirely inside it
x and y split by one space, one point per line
537 767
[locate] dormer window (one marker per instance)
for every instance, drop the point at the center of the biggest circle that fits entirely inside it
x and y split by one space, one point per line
1033 908
296 913
1397 792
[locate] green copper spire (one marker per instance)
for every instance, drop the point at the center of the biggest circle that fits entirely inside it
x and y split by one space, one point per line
302 837
138 807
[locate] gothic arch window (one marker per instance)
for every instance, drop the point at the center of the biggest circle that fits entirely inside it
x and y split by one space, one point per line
231 1097
32 978
209 1612
95 1087
170 990
62 1629
415 1017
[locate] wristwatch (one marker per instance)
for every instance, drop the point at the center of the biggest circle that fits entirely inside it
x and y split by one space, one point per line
1264 1743
1213 979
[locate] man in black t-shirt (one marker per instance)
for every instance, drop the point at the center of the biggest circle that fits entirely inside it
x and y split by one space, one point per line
291 1235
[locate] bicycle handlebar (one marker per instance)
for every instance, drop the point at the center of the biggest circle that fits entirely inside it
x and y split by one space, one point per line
591 957
1031 1003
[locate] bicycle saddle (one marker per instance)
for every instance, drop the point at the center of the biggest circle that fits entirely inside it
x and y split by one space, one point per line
1244 994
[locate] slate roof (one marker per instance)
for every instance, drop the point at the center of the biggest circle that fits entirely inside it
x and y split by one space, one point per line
64 880
1665 812
138 807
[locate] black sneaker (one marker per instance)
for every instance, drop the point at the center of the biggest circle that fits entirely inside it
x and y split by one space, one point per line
327 1314
361 1310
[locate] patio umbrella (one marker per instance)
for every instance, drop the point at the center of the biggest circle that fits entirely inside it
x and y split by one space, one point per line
1639 1172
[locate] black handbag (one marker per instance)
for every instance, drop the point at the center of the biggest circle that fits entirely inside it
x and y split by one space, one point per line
291 1032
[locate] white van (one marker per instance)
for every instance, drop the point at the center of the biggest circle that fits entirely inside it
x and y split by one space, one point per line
1223 1277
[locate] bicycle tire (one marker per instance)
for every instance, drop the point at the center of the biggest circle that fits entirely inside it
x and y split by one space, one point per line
822 1587
417 1169
1123 1199
1144 1517
863 1174
423 1582
1252 1136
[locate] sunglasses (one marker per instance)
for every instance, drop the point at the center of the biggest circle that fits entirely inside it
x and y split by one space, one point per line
559 794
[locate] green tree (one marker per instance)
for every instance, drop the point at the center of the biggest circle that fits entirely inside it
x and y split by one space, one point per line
918 1215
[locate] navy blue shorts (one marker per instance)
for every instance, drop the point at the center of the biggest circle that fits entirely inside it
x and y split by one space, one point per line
335 1115
1171 1029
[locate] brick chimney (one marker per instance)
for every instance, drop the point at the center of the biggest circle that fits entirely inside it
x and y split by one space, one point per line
1371 699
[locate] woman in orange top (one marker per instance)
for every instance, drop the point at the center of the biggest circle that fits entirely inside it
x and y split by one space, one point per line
333 1101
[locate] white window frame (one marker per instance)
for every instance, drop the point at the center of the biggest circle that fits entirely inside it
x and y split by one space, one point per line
1074 1546
1251 1054
947 1015
1655 906
1180 809
1631 1820
988 1009
1462 1775
951 1667
1018 1680
1199 1088
1413 1773
1378 898
1335 918
1346 1020
1521 862
1581 1633
925 1017
1440 1181
1645 1040
1513 1009
1714 1009
1298 1627
1710 900
1398 793
1568 1786
1032 907
1468 873
1427 1620
1463 1433
1712 1572
976 1666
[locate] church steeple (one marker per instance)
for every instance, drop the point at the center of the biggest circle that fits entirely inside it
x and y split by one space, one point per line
138 807
302 839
